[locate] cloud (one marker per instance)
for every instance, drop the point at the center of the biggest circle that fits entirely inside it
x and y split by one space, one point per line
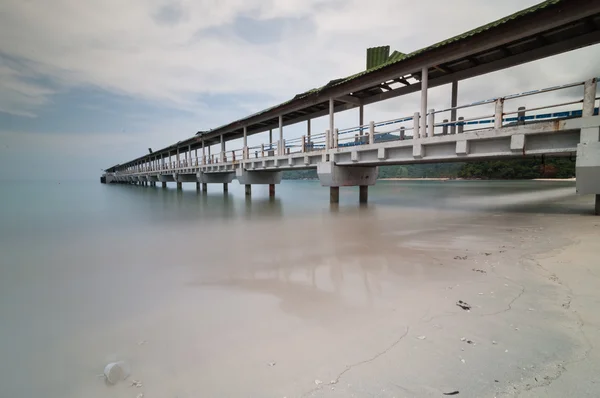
200 64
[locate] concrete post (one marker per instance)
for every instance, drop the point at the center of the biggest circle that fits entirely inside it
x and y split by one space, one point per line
245 154
222 149
430 122
308 129
521 115
454 104
179 186
424 84
281 132
164 184
303 143
271 190
204 187
416 131
589 97
327 139
197 186
248 189
371 132
196 156
209 157
445 127
225 187
361 118
189 156
334 194
178 164
331 112
499 113
461 125
203 152
363 194
336 134
271 137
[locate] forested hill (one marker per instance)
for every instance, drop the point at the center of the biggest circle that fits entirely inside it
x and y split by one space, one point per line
495 169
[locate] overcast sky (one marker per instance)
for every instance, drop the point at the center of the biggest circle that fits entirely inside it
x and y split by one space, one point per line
86 84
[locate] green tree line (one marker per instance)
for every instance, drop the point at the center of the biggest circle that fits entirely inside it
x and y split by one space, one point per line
511 169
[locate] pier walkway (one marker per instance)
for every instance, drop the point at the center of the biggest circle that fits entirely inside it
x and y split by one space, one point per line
488 129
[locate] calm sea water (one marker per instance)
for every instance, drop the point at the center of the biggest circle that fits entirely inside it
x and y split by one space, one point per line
87 270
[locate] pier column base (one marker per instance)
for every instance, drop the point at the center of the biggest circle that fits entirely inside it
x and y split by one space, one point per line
225 187
587 169
164 184
363 194
334 194
179 186
271 190
248 189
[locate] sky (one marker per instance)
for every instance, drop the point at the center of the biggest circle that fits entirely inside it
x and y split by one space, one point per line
86 84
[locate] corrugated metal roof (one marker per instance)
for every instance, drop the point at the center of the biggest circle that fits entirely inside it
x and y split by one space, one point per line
377 56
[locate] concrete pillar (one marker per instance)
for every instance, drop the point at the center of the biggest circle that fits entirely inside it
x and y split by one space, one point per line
589 97
196 163
499 113
189 156
280 134
271 190
164 184
334 194
416 124
424 84
271 137
371 132
204 186
454 104
177 157
203 152
331 113
461 126
308 129
521 115
430 122
245 151
361 118
225 187
179 186
363 193
222 148
248 189
197 186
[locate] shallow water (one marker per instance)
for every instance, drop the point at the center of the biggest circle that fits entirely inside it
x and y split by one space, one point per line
217 283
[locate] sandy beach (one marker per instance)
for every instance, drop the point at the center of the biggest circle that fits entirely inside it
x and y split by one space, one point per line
430 294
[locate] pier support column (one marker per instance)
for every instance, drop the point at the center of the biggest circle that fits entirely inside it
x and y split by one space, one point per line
271 190
204 186
248 189
334 176
164 184
363 194
179 186
225 187
197 186
587 166
334 194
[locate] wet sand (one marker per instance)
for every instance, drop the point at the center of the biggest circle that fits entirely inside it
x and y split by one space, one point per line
345 302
